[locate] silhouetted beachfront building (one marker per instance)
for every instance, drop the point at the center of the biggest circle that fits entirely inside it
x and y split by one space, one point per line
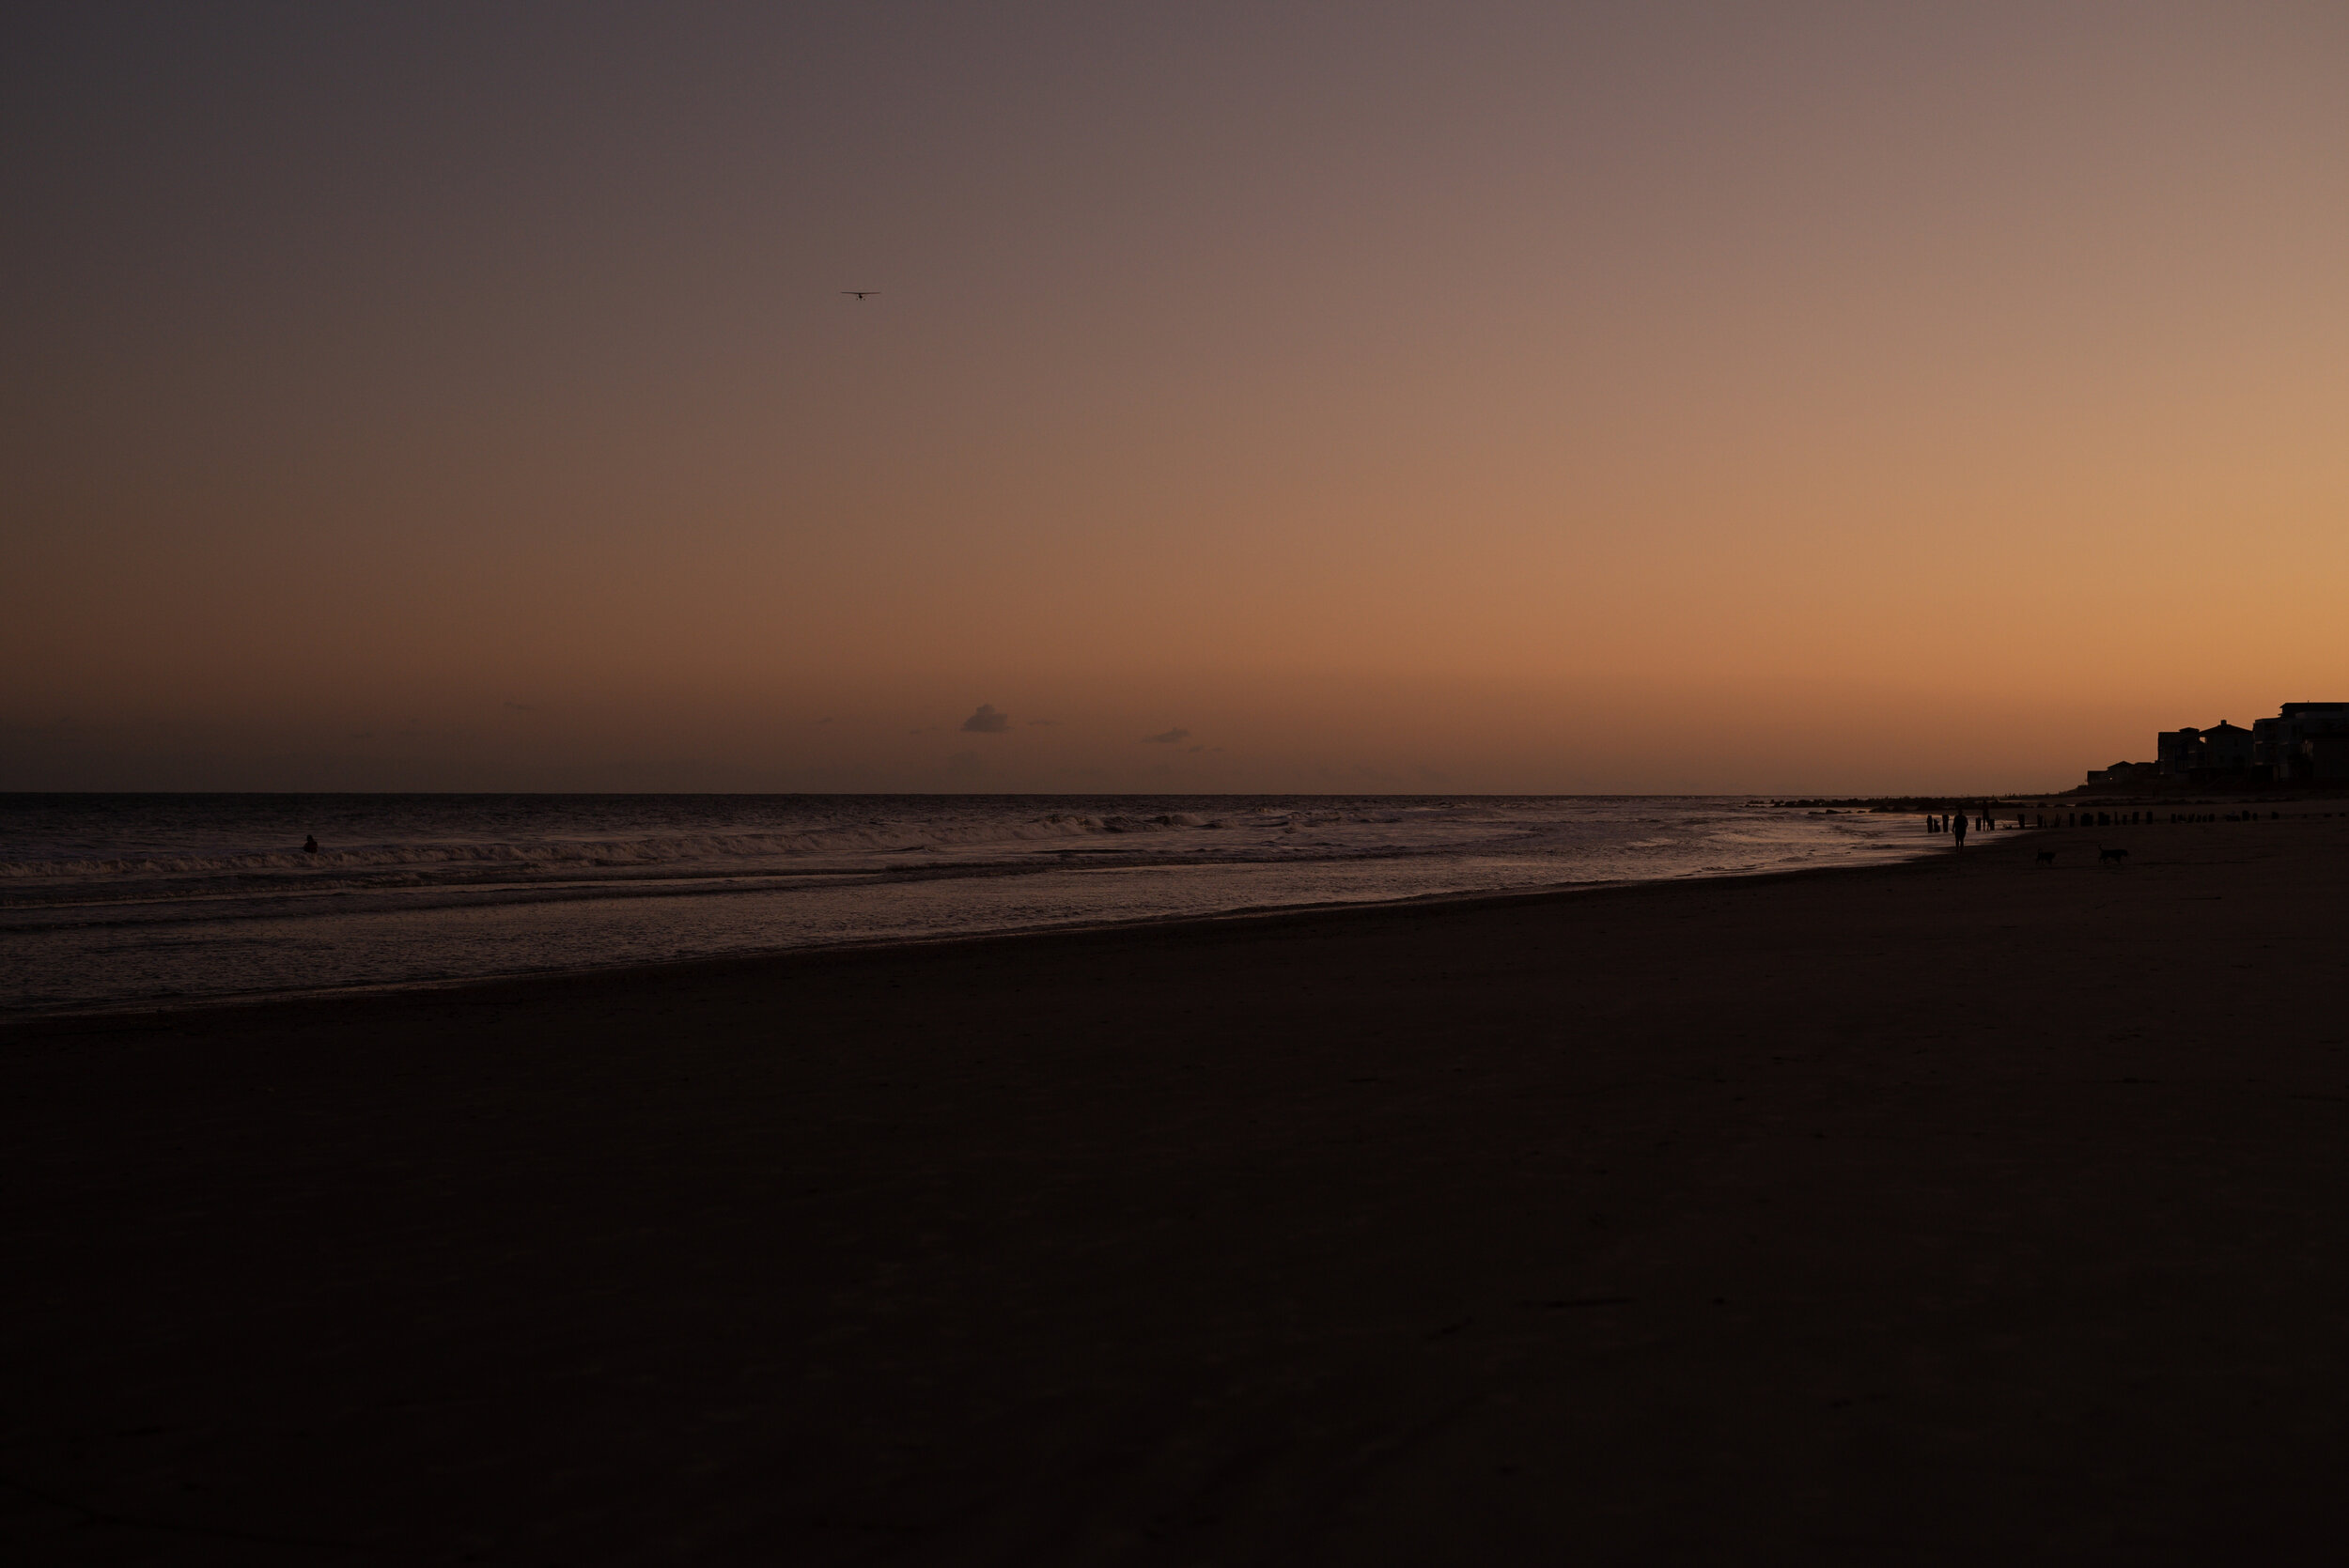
2306 742
2223 747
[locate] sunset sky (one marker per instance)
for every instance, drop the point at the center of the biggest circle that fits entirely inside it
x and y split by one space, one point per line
1513 398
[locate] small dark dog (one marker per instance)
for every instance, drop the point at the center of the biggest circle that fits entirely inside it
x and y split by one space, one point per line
2115 856
2046 857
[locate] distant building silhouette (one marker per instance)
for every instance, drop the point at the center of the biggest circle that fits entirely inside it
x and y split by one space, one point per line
2223 745
2305 743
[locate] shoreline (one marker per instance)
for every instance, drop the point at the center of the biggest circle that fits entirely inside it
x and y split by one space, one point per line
886 944
1930 1211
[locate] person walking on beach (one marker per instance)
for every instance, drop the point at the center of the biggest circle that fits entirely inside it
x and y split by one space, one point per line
1957 820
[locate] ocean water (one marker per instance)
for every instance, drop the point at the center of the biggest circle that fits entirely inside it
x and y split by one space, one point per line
140 900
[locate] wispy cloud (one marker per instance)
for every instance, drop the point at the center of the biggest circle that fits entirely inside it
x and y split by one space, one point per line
1172 737
986 721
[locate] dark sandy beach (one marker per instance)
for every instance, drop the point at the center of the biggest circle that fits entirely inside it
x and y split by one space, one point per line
1957 1211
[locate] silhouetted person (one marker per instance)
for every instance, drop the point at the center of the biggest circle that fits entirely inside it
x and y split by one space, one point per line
310 844
1959 819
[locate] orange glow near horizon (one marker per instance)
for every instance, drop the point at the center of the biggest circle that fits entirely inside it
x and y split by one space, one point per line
1686 400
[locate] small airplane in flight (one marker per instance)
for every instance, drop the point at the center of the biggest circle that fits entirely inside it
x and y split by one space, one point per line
860 293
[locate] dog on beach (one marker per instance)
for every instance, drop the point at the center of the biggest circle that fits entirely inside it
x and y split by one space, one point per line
2046 857
2112 856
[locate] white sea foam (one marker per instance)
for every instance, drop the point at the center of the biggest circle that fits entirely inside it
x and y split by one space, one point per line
136 899
658 851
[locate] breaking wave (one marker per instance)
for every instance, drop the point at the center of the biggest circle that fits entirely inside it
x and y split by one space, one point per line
153 899
663 849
